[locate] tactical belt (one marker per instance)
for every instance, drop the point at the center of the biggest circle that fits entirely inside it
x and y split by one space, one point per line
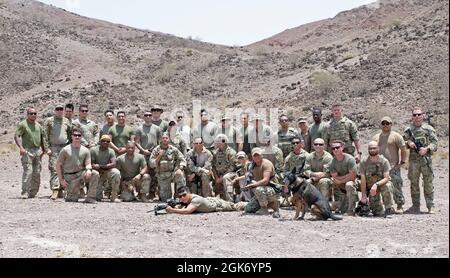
72 173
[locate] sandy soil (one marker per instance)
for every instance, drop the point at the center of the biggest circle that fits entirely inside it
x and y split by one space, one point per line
43 228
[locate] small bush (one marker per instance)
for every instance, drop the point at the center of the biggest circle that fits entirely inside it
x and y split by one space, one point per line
324 81
166 73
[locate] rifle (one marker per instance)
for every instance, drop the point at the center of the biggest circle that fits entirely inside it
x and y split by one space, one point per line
419 145
169 203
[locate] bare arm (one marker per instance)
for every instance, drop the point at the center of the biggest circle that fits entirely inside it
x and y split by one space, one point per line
187 210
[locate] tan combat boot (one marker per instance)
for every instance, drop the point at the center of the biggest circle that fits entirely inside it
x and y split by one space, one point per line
143 198
114 198
54 194
415 209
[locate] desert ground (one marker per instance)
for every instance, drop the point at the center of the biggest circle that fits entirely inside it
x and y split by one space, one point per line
43 228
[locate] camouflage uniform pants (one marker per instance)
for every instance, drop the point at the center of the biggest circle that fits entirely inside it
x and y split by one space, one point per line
200 185
324 185
265 197
229 187
165 179
128 186
397 184
346 196
31 177
75 182
383 199
417 167
54 181
111 179
222 205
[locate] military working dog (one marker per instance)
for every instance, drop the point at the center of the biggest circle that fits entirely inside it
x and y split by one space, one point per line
305 195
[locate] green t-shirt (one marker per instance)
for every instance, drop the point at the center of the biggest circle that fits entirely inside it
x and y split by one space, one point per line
101 157
74 159
30 133
121 135
129 168
203 204
343 167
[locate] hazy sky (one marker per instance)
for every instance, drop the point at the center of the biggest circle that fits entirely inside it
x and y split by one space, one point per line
227 22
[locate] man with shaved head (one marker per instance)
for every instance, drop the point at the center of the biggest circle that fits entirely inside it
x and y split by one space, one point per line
375 181
317 167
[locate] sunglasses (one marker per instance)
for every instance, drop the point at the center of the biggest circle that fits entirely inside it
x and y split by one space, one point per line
335 148
318 144
84 111
59 109
180 117
373 148
76 135
32 113
295 143
385 123
417 114
284 121
182 195
147 115
104 141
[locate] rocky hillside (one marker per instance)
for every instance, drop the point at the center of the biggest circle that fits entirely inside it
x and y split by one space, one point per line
379 59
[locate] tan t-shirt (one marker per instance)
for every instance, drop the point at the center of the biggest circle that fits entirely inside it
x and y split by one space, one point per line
258 171
390 145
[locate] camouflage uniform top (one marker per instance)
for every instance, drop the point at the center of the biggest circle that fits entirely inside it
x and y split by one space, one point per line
105 130
255 136
208 133
373 171
224 161
32 134
90 131
233 135
274 155
195 160
426 135
178 142
315 131
171 160
163 125
284 140
312 164
149 136
57 131
293 160
344 130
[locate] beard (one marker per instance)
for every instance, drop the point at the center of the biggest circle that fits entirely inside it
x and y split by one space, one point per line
373 153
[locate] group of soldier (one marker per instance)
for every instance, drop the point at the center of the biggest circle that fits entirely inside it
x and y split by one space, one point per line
224 166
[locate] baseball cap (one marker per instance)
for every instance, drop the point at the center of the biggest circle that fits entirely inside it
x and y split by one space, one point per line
386 119
257 151
105 138
241 154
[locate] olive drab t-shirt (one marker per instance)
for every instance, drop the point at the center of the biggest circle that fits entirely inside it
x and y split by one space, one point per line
390 145
129 168
258 171
30 133
344 166
101 157
74 159
121 135
149 136
313 164
202 204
